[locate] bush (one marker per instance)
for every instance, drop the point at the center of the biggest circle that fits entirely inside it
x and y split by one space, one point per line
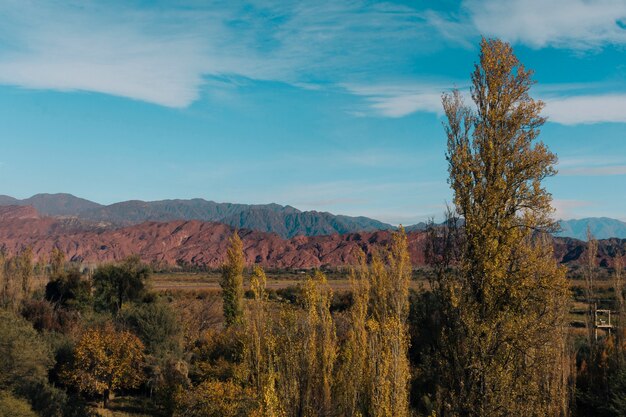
156 325
24 356
44 317
216 399
217 355
11 406
69 290
117 284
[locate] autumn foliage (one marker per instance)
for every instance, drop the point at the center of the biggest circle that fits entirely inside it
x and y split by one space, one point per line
106 360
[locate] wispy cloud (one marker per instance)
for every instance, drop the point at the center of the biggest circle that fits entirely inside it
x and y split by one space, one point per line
168 54
586 109
398 100
605 165
163 54
574 24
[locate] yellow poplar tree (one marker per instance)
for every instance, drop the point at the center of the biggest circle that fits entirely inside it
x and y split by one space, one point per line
232 282
503 310
353 369
388 342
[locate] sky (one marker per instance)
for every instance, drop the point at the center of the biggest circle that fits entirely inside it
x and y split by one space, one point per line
323 105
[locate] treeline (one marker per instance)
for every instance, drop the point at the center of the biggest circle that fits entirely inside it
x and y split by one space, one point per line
84 340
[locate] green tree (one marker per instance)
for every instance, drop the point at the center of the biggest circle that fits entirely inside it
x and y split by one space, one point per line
69 289
116 284
232 282
24 357
157 326
503 306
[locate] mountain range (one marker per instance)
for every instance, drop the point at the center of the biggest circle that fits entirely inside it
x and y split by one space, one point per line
193 242
285 221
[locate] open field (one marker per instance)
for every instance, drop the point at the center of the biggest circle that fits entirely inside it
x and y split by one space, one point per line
209 281
339 282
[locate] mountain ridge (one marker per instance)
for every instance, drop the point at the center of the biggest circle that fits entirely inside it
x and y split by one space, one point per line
204 244
286 221
600 228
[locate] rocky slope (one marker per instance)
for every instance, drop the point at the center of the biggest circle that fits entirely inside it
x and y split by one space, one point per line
204 243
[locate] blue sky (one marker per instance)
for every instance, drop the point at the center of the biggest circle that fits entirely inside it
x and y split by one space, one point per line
332 106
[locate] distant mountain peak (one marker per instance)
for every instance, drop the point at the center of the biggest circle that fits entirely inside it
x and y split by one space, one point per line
600 227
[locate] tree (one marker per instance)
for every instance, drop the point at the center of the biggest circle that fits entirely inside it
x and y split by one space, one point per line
320 342
305 353
68 289
11 406
373 372
504 303
387 344
6 284
24 357
25 269
106 360
232 282
117 284
258 342
157 326
57 262
353 366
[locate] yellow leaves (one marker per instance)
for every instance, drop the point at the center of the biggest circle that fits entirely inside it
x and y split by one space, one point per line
505 307
258 281
215 399
105 360
296 364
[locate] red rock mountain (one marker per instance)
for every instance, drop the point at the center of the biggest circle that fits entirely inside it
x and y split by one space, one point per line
204 243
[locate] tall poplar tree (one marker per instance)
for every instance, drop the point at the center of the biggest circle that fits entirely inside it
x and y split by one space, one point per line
232 282
504 303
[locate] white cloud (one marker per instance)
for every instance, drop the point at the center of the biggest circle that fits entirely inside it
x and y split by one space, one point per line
398 100
166 55
163 54
574 24
600 165
68 48
586 109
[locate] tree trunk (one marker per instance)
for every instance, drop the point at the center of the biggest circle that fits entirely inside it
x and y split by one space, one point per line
105 398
